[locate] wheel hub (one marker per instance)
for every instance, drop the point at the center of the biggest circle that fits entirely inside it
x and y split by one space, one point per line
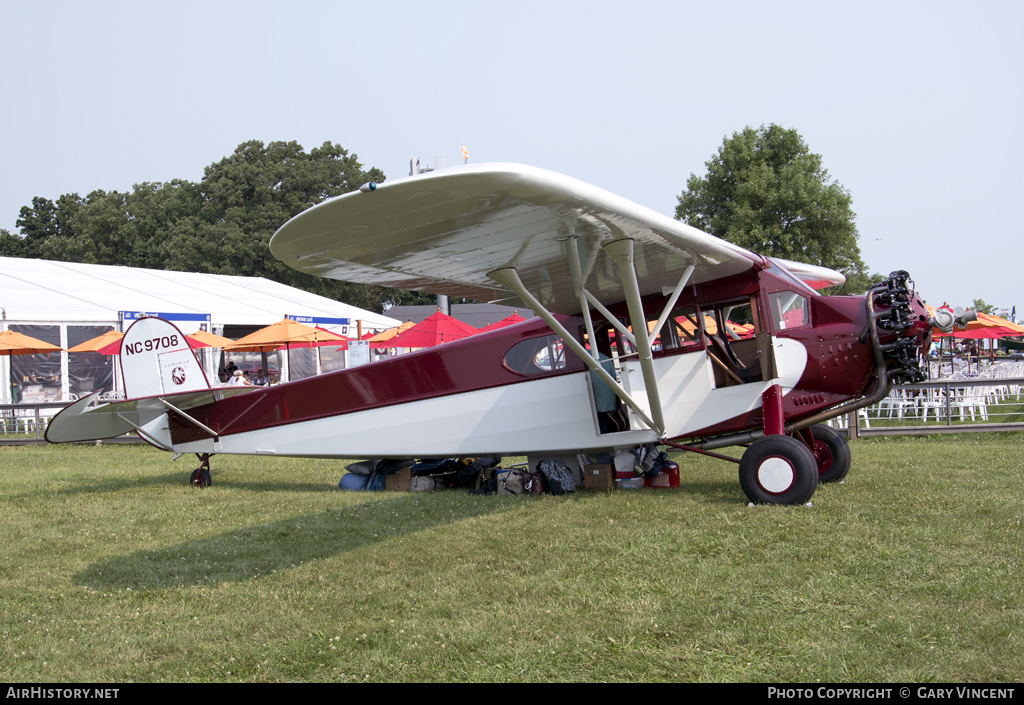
775 475
822 456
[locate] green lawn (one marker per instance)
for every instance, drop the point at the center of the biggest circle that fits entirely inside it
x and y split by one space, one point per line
113 569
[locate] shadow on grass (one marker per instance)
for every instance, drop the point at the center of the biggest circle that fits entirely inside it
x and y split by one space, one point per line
113 484
255 551
180 478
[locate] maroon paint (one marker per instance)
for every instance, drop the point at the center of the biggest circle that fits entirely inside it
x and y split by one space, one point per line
774 422
840 366
460 366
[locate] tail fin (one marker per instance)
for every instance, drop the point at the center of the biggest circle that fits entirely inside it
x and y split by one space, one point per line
156 359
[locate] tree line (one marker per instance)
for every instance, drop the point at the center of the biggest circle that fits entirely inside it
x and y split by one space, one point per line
764 190
220 225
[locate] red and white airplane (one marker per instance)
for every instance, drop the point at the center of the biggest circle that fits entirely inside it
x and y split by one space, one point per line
649 332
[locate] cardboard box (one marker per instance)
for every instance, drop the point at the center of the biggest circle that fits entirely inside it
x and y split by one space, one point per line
599 477
400 481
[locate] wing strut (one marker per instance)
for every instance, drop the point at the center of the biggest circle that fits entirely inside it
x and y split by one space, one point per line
201 426
683 281
621 252
509 277
578 280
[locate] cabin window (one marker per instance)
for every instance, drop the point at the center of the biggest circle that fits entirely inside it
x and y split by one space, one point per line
536 356
738 321
732 330
685 328
682 330
789 310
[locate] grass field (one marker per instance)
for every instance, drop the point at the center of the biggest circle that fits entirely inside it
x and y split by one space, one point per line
113 569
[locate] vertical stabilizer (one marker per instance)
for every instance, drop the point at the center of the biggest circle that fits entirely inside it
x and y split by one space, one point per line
156 360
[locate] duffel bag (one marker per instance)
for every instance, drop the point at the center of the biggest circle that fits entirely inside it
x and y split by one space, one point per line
558 476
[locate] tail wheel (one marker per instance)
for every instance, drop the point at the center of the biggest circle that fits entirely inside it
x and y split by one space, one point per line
778 470
831 453
201 475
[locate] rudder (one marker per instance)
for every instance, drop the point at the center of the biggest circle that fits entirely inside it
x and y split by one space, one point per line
156 359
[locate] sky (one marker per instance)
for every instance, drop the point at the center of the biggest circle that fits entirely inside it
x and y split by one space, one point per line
915 107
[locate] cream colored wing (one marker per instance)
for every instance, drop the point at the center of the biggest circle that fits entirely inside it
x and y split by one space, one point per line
444 232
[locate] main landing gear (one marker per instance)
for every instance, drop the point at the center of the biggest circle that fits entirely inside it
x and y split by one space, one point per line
778 470
781 469
201 475
831 452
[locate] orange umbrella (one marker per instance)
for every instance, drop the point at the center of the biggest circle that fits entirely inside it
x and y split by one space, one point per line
209 340
97 343
1001 324
275 335
12 343
265 340
987 326
319 338
391 332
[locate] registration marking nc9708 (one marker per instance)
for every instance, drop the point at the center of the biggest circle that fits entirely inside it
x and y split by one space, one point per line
166 341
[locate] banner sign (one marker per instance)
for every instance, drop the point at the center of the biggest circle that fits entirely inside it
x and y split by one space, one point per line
314 320
358 352
136 315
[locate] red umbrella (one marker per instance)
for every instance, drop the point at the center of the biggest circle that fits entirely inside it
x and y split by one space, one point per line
507 321
432 331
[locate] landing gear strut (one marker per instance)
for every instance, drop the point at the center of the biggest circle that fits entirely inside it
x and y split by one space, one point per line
201 475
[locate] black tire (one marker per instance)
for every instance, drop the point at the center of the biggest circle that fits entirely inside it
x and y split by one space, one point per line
200 478
831 452
778 470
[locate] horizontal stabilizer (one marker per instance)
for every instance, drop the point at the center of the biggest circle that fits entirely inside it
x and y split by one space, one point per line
84 420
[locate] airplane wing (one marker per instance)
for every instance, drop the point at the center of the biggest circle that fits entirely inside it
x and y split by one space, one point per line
814 276
444 232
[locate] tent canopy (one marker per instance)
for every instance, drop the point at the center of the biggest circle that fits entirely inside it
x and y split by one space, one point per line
68 292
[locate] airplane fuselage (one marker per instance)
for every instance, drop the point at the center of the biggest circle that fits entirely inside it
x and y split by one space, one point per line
517 390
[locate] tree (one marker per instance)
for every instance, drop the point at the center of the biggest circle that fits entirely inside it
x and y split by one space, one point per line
765 191
221 225
43 220
980 306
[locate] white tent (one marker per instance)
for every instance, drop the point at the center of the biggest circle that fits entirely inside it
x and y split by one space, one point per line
67 303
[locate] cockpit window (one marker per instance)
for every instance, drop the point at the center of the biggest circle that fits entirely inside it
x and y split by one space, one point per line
789 310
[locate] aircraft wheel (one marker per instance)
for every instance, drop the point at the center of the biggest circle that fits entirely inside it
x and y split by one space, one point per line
778 470
201 478
832 453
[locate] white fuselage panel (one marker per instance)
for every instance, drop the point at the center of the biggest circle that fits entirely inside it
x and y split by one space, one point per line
547 415
689 398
